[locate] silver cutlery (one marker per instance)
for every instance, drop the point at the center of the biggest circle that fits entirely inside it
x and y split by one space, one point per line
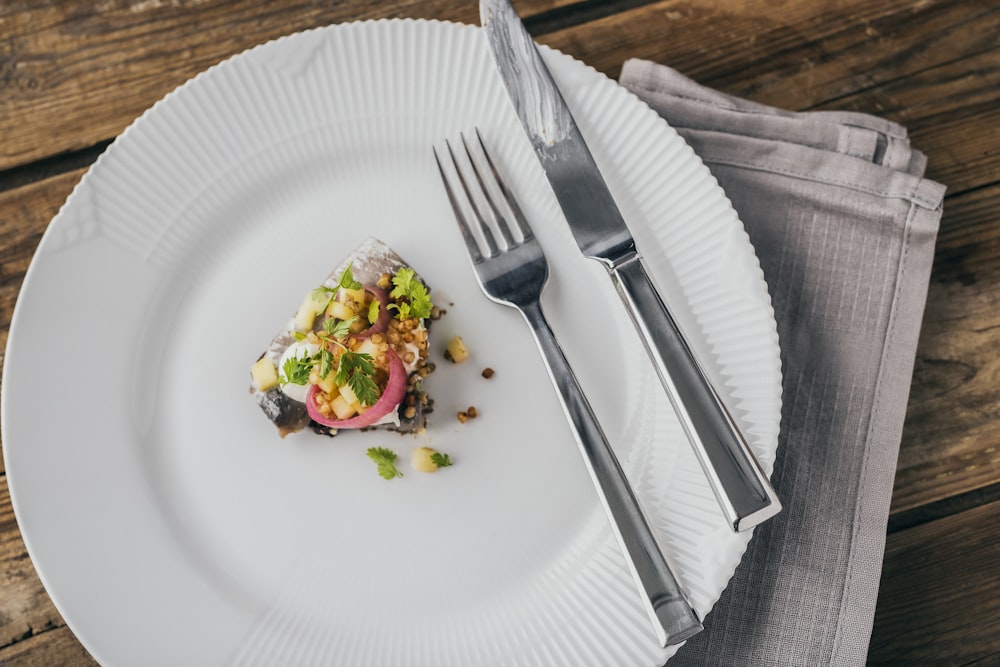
742 489
513 272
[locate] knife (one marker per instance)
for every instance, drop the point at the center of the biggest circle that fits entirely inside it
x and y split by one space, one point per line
743 490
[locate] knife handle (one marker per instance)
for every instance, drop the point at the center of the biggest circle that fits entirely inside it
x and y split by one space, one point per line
743 490
673 618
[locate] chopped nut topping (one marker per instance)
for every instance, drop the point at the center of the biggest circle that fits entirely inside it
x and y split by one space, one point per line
488 373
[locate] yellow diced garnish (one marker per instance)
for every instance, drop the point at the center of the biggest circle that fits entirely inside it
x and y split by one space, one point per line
264 374
456 350
421 459
306 314
341 408
348 395
355 295
327 384
340 310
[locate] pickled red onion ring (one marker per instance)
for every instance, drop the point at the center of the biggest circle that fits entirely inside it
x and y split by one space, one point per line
392 396
384 316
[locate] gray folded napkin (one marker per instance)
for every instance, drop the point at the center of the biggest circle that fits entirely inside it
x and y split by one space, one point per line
844 226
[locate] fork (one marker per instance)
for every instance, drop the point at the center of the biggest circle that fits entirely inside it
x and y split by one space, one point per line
514 273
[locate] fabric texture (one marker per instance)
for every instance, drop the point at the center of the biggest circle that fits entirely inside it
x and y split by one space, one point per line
844 227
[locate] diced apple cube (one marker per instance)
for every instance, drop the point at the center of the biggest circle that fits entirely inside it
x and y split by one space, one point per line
367 347
341 408
340 310
421 459
264 374
456 350
348 395
327 384
355 295
306 314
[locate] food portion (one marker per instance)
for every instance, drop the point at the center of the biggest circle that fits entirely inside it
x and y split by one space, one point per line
456 352
355 354
425 459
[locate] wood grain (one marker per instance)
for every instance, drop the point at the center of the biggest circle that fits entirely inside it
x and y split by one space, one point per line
76 73
921 618
25 609
952 426
65 71
55 647
795 55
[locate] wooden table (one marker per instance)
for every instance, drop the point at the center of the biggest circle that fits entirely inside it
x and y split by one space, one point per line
74 74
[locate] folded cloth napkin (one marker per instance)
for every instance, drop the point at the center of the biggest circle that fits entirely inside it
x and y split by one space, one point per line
844 226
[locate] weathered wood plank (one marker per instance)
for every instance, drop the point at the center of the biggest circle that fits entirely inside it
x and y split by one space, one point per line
790 54
75 73
952 113
940 76
939 598
52 647
952 426
25 608
63 67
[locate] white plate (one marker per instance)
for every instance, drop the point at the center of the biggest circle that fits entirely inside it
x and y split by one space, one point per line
168 521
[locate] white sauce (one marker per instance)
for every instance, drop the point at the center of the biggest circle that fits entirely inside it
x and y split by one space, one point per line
296 350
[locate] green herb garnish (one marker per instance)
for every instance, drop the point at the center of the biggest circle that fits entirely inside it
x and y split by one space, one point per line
407 286
296 370
347 280
357 370
338 328
325 362
323 295
386 461
373 310
441 460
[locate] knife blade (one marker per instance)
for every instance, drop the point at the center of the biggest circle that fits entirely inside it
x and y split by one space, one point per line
743 491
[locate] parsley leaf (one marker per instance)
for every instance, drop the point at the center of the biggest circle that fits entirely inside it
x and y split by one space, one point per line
325 362
357 370
338 328
402 310
364 388
347 280
407 286
441 460
323 295
386 461
296 369
402 281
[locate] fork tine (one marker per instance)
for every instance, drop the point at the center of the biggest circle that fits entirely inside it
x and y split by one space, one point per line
491 244
470 240
501 219
519 217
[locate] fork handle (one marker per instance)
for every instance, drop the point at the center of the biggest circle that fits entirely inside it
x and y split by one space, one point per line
672 615
740 485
